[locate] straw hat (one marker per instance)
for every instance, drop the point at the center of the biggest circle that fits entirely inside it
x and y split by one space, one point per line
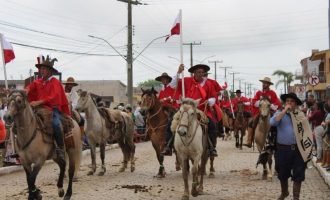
267 80
70 81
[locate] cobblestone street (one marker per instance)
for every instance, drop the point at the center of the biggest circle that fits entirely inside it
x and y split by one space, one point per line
236 178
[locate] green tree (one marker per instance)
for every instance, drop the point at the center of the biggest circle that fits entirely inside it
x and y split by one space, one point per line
287 79
149 83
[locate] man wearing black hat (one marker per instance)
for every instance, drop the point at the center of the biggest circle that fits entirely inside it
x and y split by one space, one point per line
294 144
167 96
246 102
198 87
48 92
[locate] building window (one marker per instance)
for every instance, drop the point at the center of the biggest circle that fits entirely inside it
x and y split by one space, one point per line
322 73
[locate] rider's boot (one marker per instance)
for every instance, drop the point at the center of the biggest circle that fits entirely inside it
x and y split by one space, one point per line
296 190
284 190
168 148
220 129
59 149
212 150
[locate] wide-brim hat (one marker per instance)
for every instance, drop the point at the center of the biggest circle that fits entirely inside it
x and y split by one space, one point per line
199 66
238 91
267 80
49 63
70 81
164 75
292 96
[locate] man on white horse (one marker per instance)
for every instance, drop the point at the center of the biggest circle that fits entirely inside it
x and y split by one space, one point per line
167 96
275 105
199 87
48 92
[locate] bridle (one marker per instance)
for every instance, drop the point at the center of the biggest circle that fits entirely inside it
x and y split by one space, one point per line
187 126
150 105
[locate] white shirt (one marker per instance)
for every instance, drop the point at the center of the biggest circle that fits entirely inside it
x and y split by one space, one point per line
73 98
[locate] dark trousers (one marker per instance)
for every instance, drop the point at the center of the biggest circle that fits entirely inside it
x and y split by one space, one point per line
289 163
57 128
82 121
212 132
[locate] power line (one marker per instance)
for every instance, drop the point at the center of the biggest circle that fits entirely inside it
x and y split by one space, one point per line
59 50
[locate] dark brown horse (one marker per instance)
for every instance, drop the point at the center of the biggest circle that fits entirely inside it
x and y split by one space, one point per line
240 125
157 120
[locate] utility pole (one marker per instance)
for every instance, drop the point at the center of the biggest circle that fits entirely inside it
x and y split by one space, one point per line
329 22
239 83
250 91
130 49
225 71
215 67
233 73
191 44
245 88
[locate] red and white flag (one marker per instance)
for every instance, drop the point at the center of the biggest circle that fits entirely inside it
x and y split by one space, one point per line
176 27
8 51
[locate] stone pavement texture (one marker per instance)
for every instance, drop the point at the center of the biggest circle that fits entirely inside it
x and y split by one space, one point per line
236 178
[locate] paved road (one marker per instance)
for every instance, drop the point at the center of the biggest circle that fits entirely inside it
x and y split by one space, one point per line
236 178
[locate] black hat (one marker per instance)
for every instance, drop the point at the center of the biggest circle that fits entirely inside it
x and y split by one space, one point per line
199 66
292 96
164 75
238 91
47 63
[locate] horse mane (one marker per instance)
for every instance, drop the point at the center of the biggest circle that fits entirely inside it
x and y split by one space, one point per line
150 91
265 98
189 101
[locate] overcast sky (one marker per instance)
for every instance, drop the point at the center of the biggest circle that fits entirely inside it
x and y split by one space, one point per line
254 37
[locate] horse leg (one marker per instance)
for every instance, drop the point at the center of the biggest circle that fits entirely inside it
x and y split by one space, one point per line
202 166
194 170
34 192
72 168
185 174
132 154
211 175
264 173
177 162
270 172
236 138
93 150
125 159
161 171
61 164
102 156
241 139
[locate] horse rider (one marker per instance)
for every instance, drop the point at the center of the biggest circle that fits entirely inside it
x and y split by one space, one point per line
48 92
73 99
199 87
226 106
275 104
246 102
167 97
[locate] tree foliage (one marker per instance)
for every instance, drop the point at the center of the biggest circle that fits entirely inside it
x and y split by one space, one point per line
287 79
149 83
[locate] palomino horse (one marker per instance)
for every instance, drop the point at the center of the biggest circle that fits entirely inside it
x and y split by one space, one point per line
261 133
34 146
240 125
98 133
190 144
157 120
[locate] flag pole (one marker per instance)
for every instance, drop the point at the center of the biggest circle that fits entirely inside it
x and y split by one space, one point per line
3 60
181 53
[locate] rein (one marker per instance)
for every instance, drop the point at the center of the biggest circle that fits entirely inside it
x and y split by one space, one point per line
153 129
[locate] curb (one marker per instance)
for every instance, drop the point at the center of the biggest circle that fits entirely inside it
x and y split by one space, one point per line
323 172
12 169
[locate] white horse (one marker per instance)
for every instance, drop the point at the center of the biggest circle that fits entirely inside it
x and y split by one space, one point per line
190 144
98 133
261 134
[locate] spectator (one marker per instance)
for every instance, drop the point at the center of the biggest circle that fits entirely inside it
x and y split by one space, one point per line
326 140
139 119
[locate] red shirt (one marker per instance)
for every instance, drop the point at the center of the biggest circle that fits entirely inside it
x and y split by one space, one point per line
269 94
2 132
195 90
51 92
240 99
166 95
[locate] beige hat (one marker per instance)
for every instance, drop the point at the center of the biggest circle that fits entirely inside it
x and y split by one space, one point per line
267 80
70 81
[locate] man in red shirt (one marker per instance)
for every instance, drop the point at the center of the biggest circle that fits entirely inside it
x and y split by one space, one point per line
199 87
48 92
246 102
275 104
167 96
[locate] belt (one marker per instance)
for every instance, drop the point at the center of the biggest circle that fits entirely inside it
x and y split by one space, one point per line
287 146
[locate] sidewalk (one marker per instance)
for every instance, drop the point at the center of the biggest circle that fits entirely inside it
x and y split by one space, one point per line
15 168
323 172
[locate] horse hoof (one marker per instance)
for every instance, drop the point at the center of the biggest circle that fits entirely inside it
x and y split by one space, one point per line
75 179
60 192
90 173
270 179
122 169
200 191
101 173
67 198
177 168
194 192
211 175
132 169
185 197
162 175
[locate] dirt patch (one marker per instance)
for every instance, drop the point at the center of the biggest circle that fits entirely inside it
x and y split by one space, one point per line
136 188
245 172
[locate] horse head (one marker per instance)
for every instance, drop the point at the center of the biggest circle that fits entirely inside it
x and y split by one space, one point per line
240 106
82 101
17 102
148 99
187 115
264 107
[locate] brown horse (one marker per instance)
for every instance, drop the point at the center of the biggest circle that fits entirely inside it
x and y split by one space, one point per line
227 123
157 120
240 125
34 146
